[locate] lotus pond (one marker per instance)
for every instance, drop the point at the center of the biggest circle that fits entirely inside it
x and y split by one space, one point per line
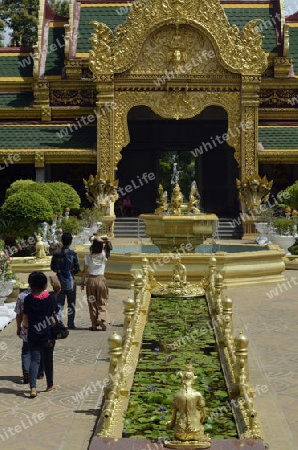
177 330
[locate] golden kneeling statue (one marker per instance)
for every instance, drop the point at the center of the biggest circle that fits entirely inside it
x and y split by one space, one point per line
40 247
190 404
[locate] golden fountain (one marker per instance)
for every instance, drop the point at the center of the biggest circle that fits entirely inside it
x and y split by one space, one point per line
176 223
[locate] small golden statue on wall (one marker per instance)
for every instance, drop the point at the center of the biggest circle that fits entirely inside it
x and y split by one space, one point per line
190 405
162 201
40 248
176 201
194 199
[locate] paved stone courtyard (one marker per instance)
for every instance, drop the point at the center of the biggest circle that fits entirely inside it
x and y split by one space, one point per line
65 419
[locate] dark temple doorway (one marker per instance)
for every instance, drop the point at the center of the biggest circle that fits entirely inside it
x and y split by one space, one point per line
199 150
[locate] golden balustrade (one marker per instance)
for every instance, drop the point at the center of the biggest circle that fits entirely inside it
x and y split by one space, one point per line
124 355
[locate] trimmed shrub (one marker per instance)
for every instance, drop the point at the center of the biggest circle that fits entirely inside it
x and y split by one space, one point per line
16 186
71 225
27 208
67 195
48 193
291 196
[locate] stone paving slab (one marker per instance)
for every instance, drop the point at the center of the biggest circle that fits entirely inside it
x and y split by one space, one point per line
65 418
268 317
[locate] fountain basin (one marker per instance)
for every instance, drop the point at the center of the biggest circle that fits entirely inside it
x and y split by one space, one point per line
241 264
170 231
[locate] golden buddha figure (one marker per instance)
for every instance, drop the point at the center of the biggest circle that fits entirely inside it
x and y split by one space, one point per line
189 404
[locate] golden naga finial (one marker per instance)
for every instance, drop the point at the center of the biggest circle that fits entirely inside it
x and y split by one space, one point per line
253 191
101 191
190 405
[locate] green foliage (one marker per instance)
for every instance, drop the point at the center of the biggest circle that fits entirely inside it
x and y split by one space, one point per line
294 248
27 208
49 194
22 18
89 216
186 167
266 215
290 196
10 228
68 196
17 185
177 330
284 226
61 7
71 225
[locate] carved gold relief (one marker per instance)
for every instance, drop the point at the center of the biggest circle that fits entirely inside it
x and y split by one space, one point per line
105 144
74 97
237 52
39 159
278 97
179 51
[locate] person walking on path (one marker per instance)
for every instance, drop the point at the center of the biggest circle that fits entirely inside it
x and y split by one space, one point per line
96 287
65 264
22 332
39 307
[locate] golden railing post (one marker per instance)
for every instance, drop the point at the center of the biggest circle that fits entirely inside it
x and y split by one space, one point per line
218 294
212 273
138 287
227 311
241 353
115 346
129 310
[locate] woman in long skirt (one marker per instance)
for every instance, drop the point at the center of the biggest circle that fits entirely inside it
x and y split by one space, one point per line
96 287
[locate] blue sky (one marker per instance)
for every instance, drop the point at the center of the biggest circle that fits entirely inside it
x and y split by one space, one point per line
291 6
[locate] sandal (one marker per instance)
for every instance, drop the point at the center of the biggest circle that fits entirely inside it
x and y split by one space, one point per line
33 393
101 323
92 329
51 388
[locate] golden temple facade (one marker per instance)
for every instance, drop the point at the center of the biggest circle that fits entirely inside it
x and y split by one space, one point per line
118 83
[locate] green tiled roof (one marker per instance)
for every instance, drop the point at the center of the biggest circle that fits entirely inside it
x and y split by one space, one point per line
16 66
115 15
294 47
47 137
278 137
110 15
240 17
56 47
17 100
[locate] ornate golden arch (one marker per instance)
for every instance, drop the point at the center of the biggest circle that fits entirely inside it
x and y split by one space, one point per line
159 37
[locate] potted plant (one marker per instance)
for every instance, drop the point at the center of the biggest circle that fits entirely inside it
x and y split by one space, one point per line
284 232
263 224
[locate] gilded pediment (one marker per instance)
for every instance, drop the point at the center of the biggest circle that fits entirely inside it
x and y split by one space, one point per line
237 52
177 52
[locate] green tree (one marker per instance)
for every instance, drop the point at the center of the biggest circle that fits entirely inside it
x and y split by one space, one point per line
21 16
2 27
61 7
49 194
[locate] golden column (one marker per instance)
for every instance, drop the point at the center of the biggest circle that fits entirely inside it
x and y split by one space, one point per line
102 65
250 87
105 126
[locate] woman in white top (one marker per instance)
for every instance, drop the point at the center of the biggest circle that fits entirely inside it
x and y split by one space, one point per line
96 287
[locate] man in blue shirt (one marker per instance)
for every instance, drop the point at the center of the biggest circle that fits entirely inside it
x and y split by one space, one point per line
66 265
